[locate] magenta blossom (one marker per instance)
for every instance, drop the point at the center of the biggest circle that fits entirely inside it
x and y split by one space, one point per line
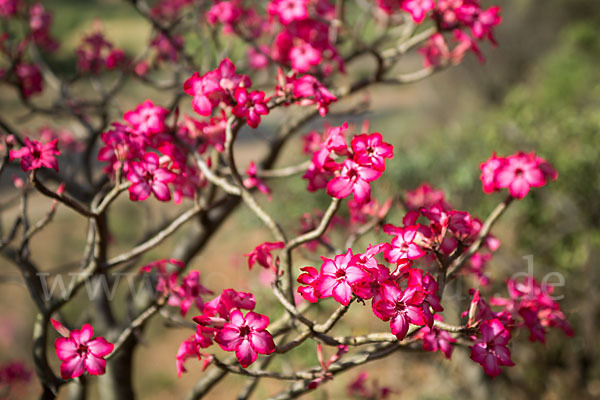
289 10
310 91
489 170
353 178
79 352
520 173
304 57
312 279
490 349
403 244
215 86
35 155
262 255
252 180
418 9
29 79
147 119
371 149
338 276
401 308
247 336
189 292
250 105
435 339
147 177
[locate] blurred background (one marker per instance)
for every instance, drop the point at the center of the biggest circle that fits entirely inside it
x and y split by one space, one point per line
538 91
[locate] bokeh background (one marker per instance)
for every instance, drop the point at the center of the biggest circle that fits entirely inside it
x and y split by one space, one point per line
538 91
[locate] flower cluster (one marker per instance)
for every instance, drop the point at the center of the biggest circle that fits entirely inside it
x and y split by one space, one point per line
144 150
466 20
95 54
295 33
364 163
518 172
223 322
403 298
184 294
533 306
442 232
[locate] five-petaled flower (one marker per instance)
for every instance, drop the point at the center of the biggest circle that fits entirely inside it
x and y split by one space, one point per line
79 352
490 349
353 178
147 177
247 336
35 155
338 276
250 105
401 308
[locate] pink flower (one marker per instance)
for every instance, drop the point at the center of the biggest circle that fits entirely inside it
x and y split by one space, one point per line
520 173
148 177
418 8
227 301
288 10
252 180
490 349
225 12
403 244
424 196
338 276
435 51
147 118
312 279
167 50
190 348
310 91
304 57
486 20
29 79
250 105
465 43
435 339
353 178
489 170
35 155
215 86
247 336
189 292
40 21
79 352
92 53
258 58
262 255
401 308
9 8
371 150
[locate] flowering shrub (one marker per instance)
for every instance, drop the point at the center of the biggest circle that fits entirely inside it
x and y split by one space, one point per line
158 150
